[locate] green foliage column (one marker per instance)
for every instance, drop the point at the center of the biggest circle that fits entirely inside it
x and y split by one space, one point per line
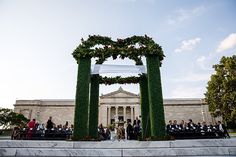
93 108
146 128
157 117
82 99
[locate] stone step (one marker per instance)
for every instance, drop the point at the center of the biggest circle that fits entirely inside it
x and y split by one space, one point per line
206 147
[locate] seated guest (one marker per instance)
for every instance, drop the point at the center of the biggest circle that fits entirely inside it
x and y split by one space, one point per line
204 126
101 132
198 127
40 127
211 128
181 125
175 126
191 126
168 127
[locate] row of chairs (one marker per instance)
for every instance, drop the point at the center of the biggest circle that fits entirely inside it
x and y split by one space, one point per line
42 134
196 132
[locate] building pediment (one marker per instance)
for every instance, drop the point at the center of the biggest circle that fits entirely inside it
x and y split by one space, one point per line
120 93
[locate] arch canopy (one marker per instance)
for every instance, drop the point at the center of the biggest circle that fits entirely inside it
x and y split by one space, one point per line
101 48
106 68
88 80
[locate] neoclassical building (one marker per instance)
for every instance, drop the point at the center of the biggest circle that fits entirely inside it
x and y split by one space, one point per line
118 105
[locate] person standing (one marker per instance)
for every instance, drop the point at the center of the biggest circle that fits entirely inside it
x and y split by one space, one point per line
49 125
31 126
136 122
32 123
129 131
222 130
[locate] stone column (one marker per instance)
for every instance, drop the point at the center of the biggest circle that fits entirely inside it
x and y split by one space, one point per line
124 112
116 116
109 116
132 114
117 111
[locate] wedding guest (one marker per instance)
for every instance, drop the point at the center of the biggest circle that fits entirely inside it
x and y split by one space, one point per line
50 124
129 131
221 128
31 126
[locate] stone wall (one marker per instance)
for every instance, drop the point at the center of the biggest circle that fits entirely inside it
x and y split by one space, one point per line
195 112
63 110
60 110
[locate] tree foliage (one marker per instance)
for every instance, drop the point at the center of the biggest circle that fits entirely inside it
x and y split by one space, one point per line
9 118
221 90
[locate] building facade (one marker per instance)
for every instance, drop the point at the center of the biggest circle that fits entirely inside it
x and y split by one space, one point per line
118 105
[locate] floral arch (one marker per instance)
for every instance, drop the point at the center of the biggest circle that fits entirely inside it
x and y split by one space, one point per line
87 90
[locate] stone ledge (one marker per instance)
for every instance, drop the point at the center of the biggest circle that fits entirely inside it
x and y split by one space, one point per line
209 151
119 144
203 147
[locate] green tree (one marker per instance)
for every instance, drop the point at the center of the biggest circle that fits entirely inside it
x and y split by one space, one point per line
221 90
9 118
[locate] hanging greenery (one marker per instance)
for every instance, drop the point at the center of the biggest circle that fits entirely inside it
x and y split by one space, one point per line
101 47
119 80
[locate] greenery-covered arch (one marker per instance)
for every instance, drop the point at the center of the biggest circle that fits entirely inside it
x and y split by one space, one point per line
101 48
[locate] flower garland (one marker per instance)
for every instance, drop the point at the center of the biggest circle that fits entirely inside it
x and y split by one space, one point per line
101 47
119 80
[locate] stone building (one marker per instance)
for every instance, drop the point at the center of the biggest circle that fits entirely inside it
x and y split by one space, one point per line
118 105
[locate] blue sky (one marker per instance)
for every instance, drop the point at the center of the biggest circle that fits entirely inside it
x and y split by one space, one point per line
38 37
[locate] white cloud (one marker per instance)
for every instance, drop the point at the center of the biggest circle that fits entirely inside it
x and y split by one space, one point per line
202 62
227 43
183 15
188 45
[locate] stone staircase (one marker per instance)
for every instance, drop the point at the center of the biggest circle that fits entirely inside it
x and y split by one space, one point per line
200 147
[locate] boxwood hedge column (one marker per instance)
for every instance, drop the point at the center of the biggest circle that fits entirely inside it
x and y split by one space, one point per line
93 108
82 99
157 118
146 130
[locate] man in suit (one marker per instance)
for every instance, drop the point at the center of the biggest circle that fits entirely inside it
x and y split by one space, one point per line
129 131
168 127
136 122
221 128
